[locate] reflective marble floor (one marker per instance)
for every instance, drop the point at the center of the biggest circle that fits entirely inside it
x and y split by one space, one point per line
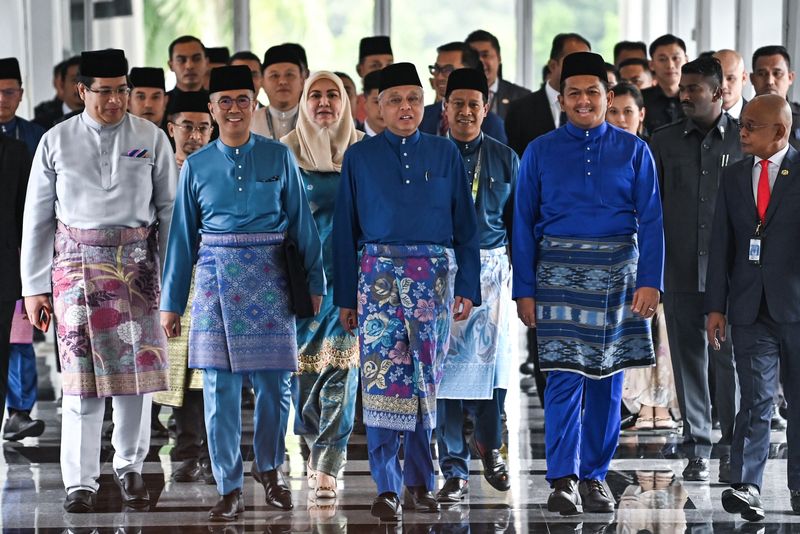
645 480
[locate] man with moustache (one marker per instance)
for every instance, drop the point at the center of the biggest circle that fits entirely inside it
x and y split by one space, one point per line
773 74
403 201
477 365
734 78
100 195
451 56
190 124
188 60
588 256
242 323
284 74
148 98
754 285
691 155
667 54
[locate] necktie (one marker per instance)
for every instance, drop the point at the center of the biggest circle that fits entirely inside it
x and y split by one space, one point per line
444 124
762 199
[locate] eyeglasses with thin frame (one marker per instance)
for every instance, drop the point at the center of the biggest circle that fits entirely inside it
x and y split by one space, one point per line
751 127
10 93
189 129
107 93
225 103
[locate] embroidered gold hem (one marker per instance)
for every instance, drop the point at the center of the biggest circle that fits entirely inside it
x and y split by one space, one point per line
338 352
396 405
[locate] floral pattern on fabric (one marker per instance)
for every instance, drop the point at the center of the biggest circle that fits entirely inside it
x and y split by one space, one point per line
106 304
404 324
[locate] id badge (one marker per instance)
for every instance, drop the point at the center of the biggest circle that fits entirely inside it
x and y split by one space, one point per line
754 254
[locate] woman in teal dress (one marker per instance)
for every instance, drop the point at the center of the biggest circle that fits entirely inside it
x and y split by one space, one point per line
328 356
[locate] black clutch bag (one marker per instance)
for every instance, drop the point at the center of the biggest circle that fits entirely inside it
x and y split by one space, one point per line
299 297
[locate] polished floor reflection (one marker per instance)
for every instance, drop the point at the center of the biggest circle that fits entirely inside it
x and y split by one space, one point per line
645 480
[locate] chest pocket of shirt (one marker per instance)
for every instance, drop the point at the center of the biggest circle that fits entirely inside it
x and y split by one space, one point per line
433 193
267 195
129 169
616 187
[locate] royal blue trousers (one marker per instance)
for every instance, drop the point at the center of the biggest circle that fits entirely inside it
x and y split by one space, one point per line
581 442
22 378
384 462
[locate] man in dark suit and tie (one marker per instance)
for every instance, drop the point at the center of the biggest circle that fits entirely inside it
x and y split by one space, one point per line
754 278
539 112
501 92
15 165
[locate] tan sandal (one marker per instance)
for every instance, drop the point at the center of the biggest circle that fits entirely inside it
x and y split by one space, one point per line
326 491
665 423
311 477
644 423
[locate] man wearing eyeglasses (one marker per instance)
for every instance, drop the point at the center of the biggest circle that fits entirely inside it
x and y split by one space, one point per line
10 97
452 56
190 125
100 194
690 157
238 198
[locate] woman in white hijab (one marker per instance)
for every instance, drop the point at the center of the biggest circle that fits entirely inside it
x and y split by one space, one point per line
328 356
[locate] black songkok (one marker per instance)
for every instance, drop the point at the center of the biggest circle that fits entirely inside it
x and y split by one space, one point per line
109 63
398 74
372 81
583 64
285 53
189 102
230 78
218 54
373 46
467 79
147 77
9 69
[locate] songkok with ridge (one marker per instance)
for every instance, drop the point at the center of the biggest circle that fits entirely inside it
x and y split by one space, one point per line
9 69
230 78
467 79
373 46
109 63
583 64
147 77
399 74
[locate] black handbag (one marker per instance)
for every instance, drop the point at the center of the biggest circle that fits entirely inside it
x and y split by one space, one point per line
299 296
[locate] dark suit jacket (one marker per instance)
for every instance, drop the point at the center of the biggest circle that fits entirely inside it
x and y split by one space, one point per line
735 284
492 124
507 92
528 118
15 165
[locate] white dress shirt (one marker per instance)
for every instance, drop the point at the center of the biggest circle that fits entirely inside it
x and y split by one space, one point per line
83 176
775 162
555 107
736 109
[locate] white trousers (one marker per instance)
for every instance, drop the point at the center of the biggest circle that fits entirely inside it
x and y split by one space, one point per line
81 435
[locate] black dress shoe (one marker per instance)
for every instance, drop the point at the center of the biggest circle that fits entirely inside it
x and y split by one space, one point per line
386 506
419 498
495 471
453 491
743 499
565 498
80 502
158 430
594 497
696 470
725 469
275 487
206 474
134 492
228 507
20 425
795 495
527 368
188 471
